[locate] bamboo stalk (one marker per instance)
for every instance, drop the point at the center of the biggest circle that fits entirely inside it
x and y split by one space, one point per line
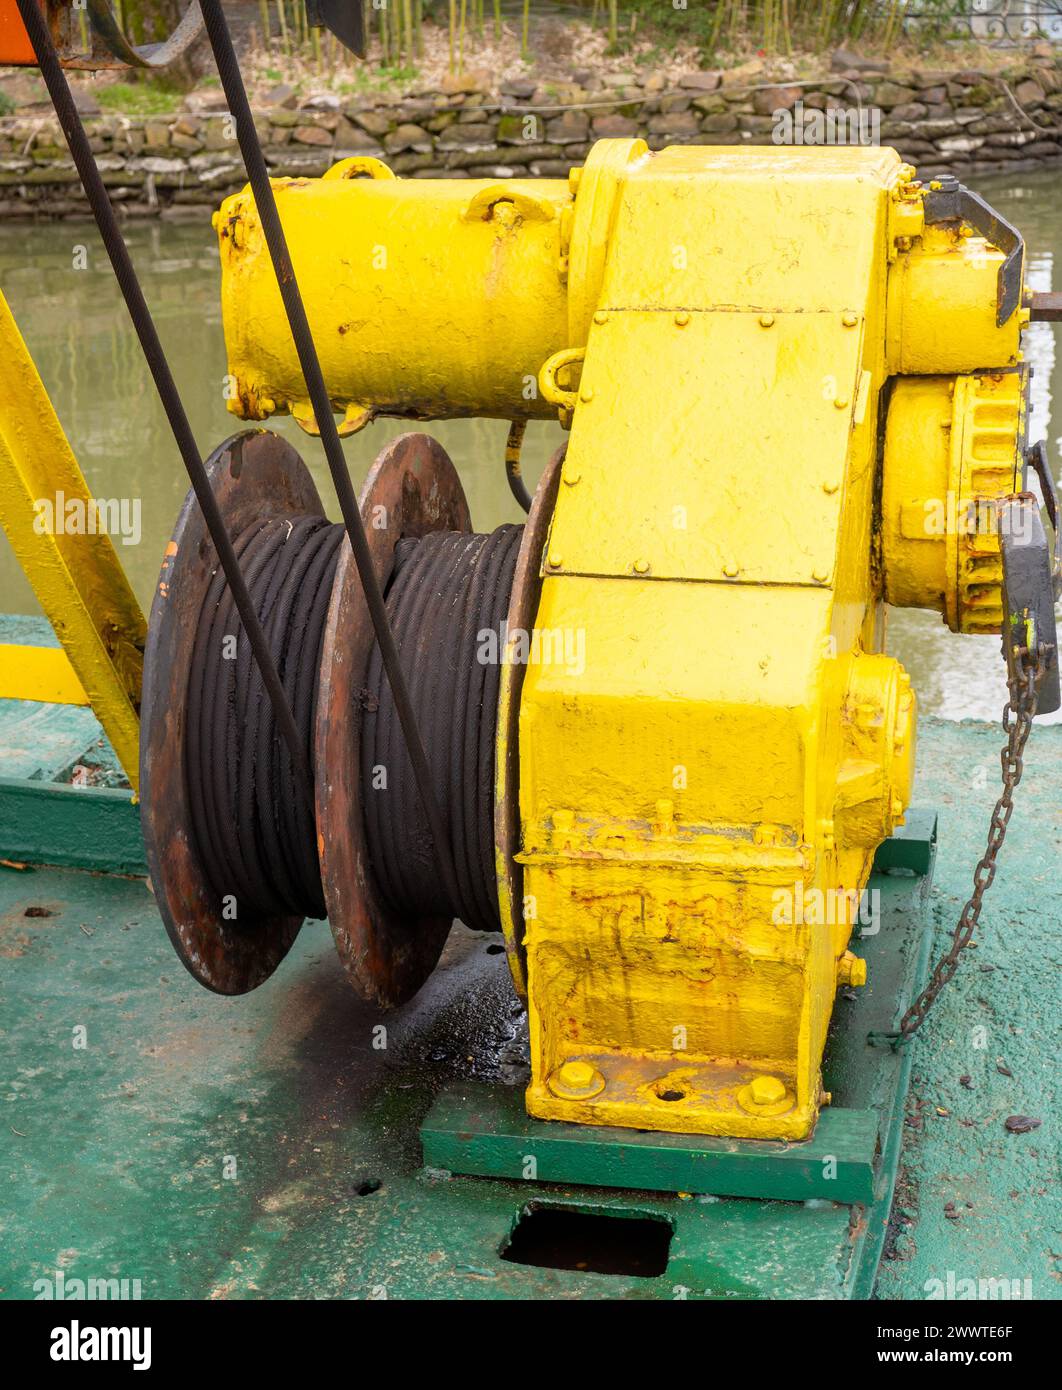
717 25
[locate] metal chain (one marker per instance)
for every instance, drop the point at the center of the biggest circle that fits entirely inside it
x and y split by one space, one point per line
1018 714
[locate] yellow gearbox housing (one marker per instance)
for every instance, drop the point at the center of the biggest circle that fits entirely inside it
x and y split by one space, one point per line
702 793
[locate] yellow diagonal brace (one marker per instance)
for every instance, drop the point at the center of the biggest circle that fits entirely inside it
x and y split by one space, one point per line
74 571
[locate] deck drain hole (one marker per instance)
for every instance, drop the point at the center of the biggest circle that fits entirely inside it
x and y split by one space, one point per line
368 1187
671 1095
592 1242
494 949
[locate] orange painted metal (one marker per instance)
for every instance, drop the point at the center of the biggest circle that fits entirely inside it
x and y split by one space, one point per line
15 47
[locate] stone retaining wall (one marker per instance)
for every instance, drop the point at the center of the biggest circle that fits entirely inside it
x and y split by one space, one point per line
962 122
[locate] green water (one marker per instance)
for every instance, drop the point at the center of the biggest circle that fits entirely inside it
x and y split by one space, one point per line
77 329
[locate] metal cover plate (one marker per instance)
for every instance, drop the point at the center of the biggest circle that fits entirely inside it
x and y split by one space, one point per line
734 488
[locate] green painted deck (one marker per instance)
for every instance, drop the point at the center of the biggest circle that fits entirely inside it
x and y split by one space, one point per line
268 1145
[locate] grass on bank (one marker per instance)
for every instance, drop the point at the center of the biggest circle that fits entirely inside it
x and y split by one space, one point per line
149 97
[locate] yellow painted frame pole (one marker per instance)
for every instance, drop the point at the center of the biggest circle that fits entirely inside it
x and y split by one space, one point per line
77 578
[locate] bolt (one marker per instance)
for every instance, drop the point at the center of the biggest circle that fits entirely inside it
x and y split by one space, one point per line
830 488
682 318
576 1080
555 561
841 402
849 319
600 317
571 478
730 569
766 320
641 566
819 576
577 1075
851 970
766 1090
587 393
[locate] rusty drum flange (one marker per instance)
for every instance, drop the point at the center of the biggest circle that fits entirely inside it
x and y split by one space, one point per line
413 489
523 605
255 476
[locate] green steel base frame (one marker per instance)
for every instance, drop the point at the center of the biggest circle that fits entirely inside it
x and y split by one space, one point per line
269 1145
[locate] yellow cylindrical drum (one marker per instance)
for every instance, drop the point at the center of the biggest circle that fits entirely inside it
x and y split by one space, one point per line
427 298
942 308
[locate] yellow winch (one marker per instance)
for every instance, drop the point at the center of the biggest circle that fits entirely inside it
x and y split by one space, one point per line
795 393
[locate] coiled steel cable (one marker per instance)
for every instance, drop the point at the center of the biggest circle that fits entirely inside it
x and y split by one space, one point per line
447 602
269 218
256 837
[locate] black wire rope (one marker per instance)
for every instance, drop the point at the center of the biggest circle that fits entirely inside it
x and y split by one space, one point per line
448 600
100 203
257 840
265 203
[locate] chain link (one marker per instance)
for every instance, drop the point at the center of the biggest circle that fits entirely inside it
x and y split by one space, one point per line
1018 714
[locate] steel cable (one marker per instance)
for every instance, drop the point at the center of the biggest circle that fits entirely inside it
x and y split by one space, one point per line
266 207
257 839
118 253
448 591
